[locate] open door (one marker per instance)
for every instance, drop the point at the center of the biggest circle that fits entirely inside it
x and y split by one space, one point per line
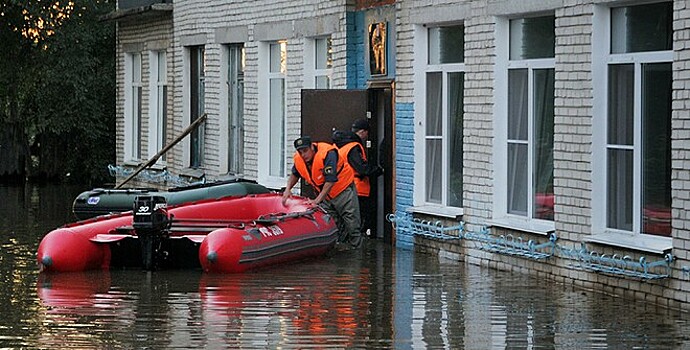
324 111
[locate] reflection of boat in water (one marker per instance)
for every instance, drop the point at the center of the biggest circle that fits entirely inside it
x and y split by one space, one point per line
72 289
101 201
313 303
318 303
230 234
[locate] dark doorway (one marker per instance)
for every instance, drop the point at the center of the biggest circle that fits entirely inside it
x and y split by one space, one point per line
324 111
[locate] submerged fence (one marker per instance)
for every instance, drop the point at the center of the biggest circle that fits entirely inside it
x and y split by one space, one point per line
152 176
407 228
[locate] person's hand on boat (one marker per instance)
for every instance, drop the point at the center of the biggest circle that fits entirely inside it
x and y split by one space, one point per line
286 196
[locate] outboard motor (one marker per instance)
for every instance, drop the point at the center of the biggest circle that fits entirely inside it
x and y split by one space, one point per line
151 224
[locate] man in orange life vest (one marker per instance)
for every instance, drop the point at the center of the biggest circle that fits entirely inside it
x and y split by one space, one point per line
332 178
351 147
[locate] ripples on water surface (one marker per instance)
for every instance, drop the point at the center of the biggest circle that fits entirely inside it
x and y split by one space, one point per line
376 298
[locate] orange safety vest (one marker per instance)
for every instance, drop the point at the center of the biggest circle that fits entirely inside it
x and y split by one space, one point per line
361 182
316 178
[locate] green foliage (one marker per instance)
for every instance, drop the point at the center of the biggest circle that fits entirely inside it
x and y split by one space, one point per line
60 86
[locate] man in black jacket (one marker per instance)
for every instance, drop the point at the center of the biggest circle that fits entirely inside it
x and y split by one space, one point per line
351 145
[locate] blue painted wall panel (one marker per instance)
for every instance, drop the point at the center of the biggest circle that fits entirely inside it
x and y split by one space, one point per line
404 157
356 75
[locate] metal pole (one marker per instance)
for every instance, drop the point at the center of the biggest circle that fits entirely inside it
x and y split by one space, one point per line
153 159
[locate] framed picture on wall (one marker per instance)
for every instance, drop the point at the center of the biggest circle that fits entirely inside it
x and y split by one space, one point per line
377 48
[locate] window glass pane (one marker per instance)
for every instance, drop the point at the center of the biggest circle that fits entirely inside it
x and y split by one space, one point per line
434 104
277 127
642 28
447 44
324 58
656 159
162 67
619 196
621 102
322 82
278 54
433 170
455 132
543 143
163 118
518 93
137 121
235 108
136 68
198 90
517 178
532 38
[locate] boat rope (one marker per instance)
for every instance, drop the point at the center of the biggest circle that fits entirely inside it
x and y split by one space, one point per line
152 176
408 227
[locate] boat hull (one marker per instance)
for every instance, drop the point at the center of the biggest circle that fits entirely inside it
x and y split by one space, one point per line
232 234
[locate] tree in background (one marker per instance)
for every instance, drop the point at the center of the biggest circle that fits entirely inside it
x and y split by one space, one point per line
57 90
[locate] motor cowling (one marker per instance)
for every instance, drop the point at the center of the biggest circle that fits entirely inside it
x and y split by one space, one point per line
151 223
150 213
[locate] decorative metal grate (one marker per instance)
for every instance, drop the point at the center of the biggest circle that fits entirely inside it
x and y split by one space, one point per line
407 227
152 176
512 245
618 265
405 224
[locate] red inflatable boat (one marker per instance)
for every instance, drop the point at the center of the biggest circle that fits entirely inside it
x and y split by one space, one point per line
231 234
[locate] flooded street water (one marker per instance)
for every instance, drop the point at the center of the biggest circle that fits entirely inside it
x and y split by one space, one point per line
378 297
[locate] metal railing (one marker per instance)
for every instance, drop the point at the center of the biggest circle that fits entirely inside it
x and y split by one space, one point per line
152 176
407 226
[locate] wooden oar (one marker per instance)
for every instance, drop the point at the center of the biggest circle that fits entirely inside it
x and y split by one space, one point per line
153 159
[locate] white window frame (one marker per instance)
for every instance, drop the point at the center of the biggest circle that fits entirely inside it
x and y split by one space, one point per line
132 139
311 72
501 217
602 58
157 105
264 111
422 67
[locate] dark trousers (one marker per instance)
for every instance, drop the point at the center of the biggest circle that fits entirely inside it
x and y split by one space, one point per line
367 212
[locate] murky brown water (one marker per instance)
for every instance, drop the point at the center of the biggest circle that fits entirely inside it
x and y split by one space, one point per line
375 298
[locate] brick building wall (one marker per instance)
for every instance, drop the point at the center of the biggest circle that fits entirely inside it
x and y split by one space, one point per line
573 141
142 37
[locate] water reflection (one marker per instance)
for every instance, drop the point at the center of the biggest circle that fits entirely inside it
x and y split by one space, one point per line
375 298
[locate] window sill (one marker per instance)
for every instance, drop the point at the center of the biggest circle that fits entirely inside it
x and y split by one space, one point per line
437 210
544 228
645 243
192 173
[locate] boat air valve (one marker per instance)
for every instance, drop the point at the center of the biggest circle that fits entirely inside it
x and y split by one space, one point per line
151 225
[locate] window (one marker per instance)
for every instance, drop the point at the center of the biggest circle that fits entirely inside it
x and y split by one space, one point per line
133 107
530 118
277 72
317 70
323 63
444 116
638 120
197 107
235 86
159 103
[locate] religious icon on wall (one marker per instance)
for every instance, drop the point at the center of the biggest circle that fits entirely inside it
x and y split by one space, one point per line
377 48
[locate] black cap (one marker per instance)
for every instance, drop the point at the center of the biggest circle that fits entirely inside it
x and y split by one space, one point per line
302 142
360 124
